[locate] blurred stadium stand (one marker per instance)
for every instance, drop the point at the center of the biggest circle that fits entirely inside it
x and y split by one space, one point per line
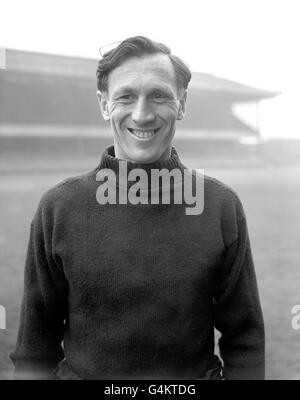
49 110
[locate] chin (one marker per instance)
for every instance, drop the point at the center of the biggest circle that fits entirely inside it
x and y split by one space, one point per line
144 157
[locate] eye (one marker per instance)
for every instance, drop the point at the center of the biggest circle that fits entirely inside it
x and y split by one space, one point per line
160 96
125 97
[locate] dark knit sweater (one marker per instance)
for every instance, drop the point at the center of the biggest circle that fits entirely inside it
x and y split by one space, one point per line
135 291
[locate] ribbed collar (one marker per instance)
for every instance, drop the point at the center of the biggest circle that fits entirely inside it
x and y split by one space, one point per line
109 160
112 163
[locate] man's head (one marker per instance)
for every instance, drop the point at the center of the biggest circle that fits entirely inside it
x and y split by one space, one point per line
142 91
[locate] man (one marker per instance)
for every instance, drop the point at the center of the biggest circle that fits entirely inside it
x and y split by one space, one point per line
121 290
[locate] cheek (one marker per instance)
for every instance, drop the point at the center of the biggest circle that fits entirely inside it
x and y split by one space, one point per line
118 112
172 106
118 107
169 112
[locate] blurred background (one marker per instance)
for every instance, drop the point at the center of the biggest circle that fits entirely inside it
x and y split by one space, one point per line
242 127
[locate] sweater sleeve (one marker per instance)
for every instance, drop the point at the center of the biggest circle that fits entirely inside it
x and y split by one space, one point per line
39 343
237 311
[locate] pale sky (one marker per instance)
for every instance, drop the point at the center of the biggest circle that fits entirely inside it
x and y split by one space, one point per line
255 42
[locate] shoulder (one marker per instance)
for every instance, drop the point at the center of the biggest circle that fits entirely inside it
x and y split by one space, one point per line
68 193
224 206
218 196
222 196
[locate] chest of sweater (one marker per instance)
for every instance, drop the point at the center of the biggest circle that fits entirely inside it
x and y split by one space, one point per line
123 256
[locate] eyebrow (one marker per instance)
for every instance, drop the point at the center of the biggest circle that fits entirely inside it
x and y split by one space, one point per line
126 89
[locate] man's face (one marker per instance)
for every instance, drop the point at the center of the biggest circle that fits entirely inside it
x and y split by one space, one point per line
143 104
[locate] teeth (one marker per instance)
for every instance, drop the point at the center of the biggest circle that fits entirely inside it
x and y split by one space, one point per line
143 134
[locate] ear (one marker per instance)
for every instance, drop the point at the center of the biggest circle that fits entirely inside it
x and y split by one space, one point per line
103 103
182 105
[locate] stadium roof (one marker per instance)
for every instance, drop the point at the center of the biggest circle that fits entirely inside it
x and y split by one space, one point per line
202 84
210 84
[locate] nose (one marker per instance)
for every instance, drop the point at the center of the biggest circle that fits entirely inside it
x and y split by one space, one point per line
142 113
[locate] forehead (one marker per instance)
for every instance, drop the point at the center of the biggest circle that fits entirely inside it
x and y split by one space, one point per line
140 72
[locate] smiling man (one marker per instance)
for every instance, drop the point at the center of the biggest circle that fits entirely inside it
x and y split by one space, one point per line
143 101
118 290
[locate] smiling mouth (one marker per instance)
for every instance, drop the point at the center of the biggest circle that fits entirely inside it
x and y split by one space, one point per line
143 134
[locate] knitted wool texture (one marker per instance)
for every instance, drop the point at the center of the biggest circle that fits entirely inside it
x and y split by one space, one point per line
135 291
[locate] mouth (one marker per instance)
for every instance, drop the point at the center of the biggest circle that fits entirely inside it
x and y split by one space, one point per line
143 134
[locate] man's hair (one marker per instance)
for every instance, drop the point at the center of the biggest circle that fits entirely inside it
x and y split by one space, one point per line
139 46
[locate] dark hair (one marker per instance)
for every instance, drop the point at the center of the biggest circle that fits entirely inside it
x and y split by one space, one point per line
138 46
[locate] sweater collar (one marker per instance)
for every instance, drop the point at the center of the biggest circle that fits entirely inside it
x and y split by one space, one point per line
109 160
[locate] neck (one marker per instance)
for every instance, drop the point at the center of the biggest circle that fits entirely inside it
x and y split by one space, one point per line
126 174
112 160
121 155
